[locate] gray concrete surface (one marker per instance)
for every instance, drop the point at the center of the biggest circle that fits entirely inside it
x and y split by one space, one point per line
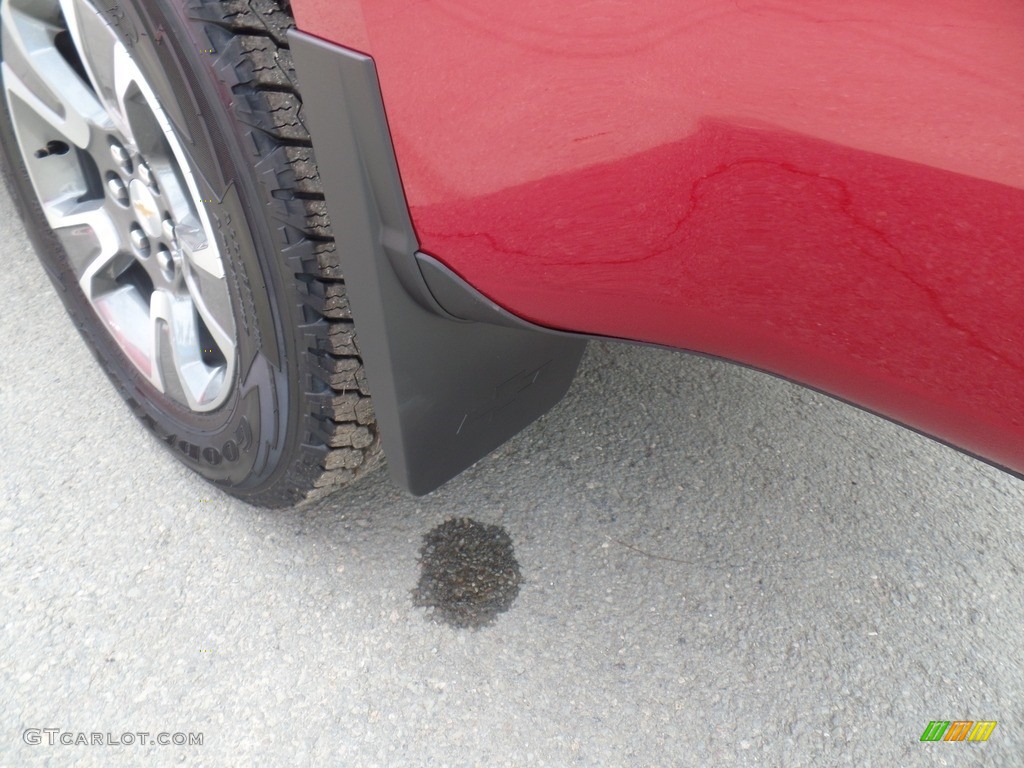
719 569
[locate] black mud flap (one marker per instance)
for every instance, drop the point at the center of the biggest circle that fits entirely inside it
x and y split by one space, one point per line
452 375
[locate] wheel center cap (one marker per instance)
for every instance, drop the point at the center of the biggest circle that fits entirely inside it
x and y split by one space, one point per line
145 207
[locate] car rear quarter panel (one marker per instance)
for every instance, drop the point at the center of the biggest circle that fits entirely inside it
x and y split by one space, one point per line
830 192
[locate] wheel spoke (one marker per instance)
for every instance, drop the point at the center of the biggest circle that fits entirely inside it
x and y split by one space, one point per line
106 61
214 307
198 249
89 235
128 319
179 354
36 74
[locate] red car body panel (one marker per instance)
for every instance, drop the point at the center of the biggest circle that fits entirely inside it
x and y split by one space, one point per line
830 192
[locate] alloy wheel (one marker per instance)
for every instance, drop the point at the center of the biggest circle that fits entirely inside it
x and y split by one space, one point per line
119 191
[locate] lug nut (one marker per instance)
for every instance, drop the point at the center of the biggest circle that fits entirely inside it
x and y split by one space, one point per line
168 230
139 241
163 258
121 156
118 190
168 264
147 177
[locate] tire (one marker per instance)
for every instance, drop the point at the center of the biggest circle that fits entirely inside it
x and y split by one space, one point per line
260 389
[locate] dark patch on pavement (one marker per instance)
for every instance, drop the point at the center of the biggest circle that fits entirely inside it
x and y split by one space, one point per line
468 573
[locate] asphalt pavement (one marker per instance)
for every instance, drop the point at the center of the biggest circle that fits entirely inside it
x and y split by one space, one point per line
715 568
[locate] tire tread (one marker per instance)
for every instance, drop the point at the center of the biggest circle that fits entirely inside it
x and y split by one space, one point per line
340 441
